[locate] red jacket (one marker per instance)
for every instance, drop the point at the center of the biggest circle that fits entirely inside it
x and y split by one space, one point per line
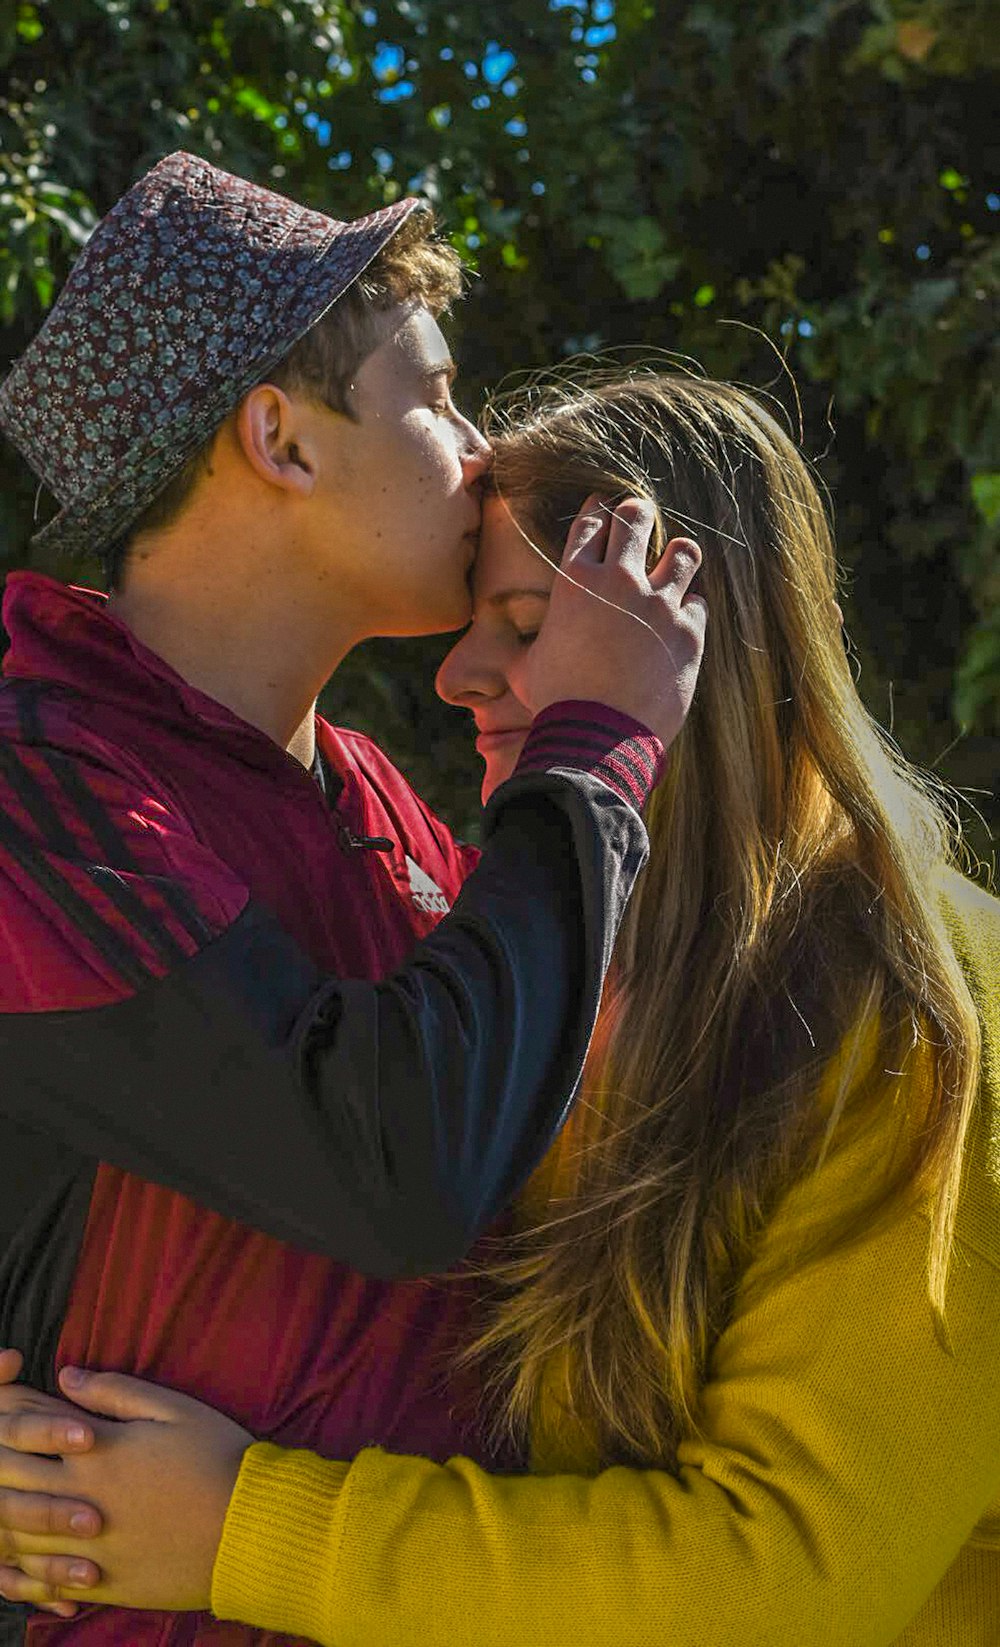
181 903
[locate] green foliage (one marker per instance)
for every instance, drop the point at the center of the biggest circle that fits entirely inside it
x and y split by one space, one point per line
616 172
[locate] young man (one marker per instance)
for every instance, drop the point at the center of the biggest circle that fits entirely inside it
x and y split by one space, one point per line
224 985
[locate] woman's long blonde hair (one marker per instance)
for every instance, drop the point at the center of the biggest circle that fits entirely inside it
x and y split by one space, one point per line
787 907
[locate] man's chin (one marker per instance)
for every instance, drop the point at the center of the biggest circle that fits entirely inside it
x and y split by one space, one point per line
447 620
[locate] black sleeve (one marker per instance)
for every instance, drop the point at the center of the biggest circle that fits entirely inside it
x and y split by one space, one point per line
382 1124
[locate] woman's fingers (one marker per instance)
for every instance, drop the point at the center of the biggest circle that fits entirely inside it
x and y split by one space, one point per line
677 566
117 1395
61 1572
620 534
632 524
613 634
673 574
22 1587
54 1432
587 538
43 1515
33 1422
32 1472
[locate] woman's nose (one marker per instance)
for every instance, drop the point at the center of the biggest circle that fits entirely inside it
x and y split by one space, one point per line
467 672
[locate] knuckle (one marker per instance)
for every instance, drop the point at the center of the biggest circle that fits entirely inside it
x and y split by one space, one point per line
13 1519
43 1574
588 525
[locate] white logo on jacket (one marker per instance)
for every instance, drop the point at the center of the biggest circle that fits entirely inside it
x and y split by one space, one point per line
425 894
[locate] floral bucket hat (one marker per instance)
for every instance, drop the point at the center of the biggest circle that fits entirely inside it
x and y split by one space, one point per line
192 287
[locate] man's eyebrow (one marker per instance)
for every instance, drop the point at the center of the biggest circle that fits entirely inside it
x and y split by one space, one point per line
443 368
504 595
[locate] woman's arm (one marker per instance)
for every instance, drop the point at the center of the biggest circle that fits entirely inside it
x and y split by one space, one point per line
845 1458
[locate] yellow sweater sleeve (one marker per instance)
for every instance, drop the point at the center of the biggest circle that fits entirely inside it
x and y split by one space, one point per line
845 1458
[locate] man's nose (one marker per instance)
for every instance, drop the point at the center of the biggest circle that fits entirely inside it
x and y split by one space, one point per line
477 455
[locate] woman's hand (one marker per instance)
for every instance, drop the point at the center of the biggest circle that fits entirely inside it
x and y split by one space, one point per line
613 632
130 1510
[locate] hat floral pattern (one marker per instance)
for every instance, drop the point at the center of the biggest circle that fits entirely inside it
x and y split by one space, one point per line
189 290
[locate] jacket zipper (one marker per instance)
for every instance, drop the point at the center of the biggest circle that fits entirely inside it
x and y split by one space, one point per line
356 843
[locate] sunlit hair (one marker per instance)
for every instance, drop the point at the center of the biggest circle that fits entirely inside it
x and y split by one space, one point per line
787 926
414 265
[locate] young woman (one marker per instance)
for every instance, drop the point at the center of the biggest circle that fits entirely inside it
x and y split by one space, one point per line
749 1332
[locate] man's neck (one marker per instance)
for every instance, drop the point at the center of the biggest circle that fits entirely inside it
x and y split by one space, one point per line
303 742
262 663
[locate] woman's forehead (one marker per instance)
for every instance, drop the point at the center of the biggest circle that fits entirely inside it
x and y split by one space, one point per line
506 560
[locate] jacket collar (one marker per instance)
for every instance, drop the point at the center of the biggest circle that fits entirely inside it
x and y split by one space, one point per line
66 636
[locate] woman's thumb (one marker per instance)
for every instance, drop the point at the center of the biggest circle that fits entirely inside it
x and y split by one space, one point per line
115 1395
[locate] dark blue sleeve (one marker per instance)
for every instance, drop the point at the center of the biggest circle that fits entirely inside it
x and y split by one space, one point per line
384 1124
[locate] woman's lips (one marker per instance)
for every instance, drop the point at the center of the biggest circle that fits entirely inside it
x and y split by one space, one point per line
489 742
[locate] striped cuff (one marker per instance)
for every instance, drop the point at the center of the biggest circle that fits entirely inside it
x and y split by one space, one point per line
275 1562
590 737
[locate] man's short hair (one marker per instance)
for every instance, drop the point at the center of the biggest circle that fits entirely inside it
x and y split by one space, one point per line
323 363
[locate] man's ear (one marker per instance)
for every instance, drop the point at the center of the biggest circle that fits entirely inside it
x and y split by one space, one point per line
274 440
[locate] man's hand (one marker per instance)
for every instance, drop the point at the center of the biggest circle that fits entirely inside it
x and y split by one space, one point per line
613 633
129 1510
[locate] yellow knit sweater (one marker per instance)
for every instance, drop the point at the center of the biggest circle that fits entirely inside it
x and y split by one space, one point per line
845 1491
